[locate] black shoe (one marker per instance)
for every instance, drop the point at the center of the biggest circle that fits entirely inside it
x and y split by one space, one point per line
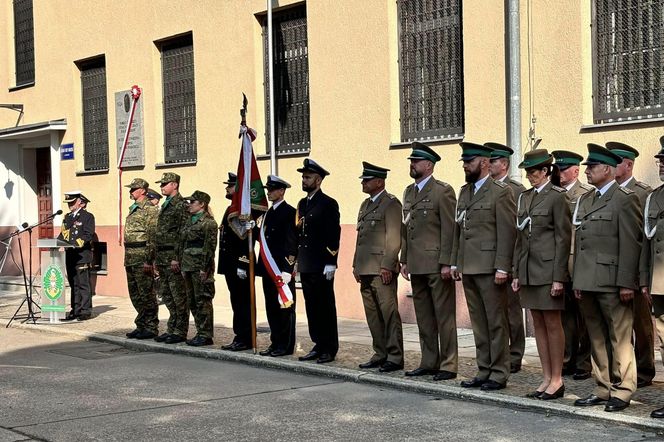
174 339
84 317
444 375
589 401
642 383
267 352
228 346
473 383
70 316
515 368
492 385
657 414
372 364
313 354
580 375
389 366
162 337
419 371
556 395
132 334
615 404
324 358
279 352
240 346
199 341
535 394
145 334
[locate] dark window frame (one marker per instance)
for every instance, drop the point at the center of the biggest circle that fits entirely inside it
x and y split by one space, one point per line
179 99
290 43
436 111
94 97
626 60
24 42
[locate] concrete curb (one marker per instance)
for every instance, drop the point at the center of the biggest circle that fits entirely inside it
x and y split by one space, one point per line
364 377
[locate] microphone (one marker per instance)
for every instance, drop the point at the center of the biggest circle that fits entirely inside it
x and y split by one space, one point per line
24 225
59 212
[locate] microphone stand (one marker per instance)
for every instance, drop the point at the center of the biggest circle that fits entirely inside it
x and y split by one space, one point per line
28 282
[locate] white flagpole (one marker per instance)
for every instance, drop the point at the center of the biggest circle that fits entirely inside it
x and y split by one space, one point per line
270 80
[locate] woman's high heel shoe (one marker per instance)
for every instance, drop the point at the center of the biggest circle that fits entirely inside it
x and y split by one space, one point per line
535 394
558 394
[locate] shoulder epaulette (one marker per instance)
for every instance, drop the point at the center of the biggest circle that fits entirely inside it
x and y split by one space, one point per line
515 182
586 187
643 185
559 189
442 183
390 196
626 190
500 183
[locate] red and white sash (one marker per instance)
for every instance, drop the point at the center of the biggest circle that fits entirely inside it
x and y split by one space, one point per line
284 294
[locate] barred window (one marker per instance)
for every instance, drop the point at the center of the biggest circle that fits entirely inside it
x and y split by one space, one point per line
179 99
291 80
627 59
95 119
430 69
24 42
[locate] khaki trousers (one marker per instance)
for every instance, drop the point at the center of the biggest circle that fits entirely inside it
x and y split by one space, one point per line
644 340
382 311
609 324
517 333
487 305
434 300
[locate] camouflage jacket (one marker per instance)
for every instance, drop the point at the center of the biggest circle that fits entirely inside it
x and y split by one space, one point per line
173 215
198 243
139 234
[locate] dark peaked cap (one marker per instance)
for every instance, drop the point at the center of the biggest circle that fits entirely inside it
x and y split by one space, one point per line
370 171
312 166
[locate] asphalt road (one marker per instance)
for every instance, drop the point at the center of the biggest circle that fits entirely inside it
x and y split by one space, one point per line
57 388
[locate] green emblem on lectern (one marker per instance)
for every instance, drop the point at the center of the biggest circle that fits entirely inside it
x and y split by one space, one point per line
53 282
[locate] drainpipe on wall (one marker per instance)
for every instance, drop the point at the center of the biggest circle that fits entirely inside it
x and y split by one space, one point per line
513 84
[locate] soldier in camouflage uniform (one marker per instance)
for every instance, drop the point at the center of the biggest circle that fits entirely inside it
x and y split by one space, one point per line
173 215
198 242
139 243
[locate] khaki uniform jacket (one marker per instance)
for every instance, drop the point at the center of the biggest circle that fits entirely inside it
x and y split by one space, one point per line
608 241
484 232
542 246
427 236
653 266
575 192
642 190
378 235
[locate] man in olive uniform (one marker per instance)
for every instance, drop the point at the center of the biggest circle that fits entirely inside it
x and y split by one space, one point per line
172 217
576 361
319 232
139 244
499 167
653 266
606 275
78 229
485 234
376 268
234 265
427 239
280 234
644 335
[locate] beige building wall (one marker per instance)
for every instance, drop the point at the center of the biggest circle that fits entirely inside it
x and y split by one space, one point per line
354 95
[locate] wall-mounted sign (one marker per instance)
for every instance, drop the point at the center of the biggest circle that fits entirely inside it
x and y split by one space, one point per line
135 152
67 151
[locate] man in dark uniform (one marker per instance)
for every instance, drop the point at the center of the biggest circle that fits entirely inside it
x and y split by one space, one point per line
280 234
576 361
78 229
319 232
499 166
376 268
173 215
234 265
606 275
644 334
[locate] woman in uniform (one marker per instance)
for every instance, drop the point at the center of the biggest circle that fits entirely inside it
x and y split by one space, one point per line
540 264
199 240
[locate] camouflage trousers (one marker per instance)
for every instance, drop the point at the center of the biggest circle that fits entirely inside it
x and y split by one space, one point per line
143 298
172 292
200 294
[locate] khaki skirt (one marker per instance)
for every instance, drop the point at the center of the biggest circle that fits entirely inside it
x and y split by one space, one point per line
538 297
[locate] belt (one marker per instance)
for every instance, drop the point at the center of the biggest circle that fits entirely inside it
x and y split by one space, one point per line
197 243
135 245
162 248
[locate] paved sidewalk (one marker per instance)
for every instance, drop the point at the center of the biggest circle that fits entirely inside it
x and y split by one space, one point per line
114 317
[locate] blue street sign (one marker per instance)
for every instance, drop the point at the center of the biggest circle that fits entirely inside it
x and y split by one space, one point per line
67 151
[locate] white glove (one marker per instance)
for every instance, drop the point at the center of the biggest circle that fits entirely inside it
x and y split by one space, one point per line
242 274
286 277
328 271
